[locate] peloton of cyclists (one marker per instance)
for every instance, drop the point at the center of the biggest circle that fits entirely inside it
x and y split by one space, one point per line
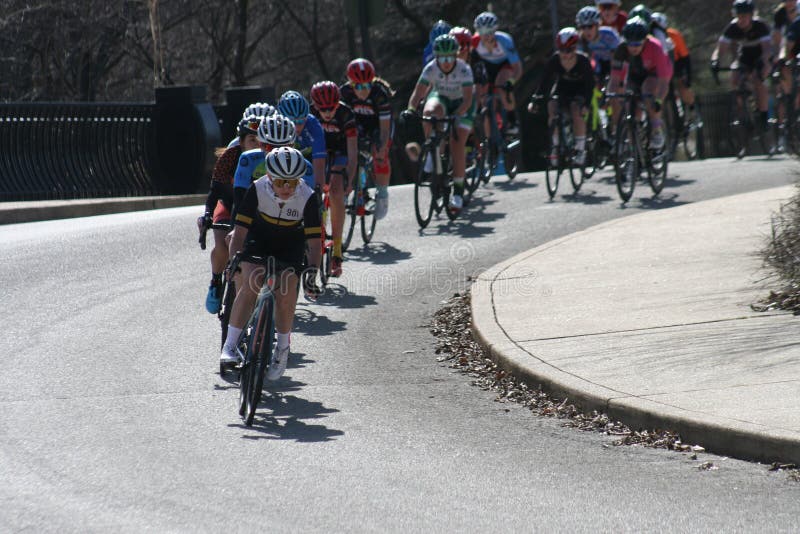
611 14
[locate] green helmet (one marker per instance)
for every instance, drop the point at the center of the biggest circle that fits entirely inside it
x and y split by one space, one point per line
641 11
445 45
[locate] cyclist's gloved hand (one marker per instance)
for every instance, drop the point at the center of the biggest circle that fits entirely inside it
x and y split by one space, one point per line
408 114
204 221
310 287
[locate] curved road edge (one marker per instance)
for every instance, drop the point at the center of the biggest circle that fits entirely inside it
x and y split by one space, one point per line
624 318
45 210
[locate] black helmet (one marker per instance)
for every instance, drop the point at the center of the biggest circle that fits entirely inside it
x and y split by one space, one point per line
636 30
744 6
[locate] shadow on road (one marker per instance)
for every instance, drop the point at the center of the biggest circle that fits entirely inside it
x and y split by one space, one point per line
339 296
586 196
377 253
311 323
512 185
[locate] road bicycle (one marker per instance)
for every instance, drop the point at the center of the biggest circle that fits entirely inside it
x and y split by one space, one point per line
561 128
632 151
432 188
598 135
685 132
256 345
326 233
745 123
496 142
360 203
789 127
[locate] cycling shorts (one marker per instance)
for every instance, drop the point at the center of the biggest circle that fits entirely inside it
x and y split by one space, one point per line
451 105
288 252
493 69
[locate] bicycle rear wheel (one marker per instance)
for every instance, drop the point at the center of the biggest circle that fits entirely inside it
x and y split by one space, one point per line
627 160
265 334
423 192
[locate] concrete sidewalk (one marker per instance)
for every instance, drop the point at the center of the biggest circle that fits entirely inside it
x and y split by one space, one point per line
45 210
648 319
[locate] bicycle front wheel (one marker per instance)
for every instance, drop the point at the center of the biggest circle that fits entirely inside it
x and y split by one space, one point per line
627 160
423 192
262 350
350 210
367 215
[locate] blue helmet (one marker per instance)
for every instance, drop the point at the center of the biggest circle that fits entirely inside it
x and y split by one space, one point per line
440 28
293 105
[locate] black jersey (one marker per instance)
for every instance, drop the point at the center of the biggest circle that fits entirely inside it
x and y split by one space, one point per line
339 128
749 40
370 110
781 20
578 81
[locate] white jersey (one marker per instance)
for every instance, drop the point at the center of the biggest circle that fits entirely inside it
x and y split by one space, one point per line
282 212
447 85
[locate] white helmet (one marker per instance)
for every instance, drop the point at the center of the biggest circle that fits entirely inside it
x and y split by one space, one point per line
587 16
486 22
259 109
660 19
285 162
276 130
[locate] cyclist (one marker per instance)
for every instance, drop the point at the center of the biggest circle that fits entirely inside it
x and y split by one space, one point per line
752 35
278 215
783 20
273 131
219 204
597 42
449 86
569 75
682 64
440 28
611 14
648 71
310 136
497 52
369 97
788 55
341 140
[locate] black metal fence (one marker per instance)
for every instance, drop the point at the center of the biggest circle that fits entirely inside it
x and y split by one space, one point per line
92 150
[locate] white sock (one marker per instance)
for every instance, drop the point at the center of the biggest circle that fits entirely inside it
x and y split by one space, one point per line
428 163
283 340
580 142
232 337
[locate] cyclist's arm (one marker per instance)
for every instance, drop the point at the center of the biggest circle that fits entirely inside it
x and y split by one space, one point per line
587 76
319 154
241 180
247 213
420 91
221 180
351 137
512 55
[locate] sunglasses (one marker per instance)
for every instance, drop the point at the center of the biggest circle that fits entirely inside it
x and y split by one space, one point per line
634 44
607 7
446 59
485 32
569 50
299 121
586 27
280 183
363 86
329 109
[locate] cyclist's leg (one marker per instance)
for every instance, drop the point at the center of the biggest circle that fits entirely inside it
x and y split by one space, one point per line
381 164
434 107
657 139
576 107
506 97
458 144
252 276
219 258
336 196
552 111
285 295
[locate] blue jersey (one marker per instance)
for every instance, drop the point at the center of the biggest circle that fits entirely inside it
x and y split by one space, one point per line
311 141
251 167
603 48
504 49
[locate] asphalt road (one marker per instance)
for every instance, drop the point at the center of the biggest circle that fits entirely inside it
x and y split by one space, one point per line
112 416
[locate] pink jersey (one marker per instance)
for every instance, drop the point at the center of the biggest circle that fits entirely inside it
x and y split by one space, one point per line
652 61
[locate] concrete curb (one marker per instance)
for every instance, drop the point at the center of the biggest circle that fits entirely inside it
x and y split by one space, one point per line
721 435
21 212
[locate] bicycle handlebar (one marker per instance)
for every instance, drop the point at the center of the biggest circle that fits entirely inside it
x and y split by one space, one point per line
213 226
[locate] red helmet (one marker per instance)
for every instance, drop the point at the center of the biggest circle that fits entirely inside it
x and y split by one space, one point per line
325 95
462 35
360 70
567 38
